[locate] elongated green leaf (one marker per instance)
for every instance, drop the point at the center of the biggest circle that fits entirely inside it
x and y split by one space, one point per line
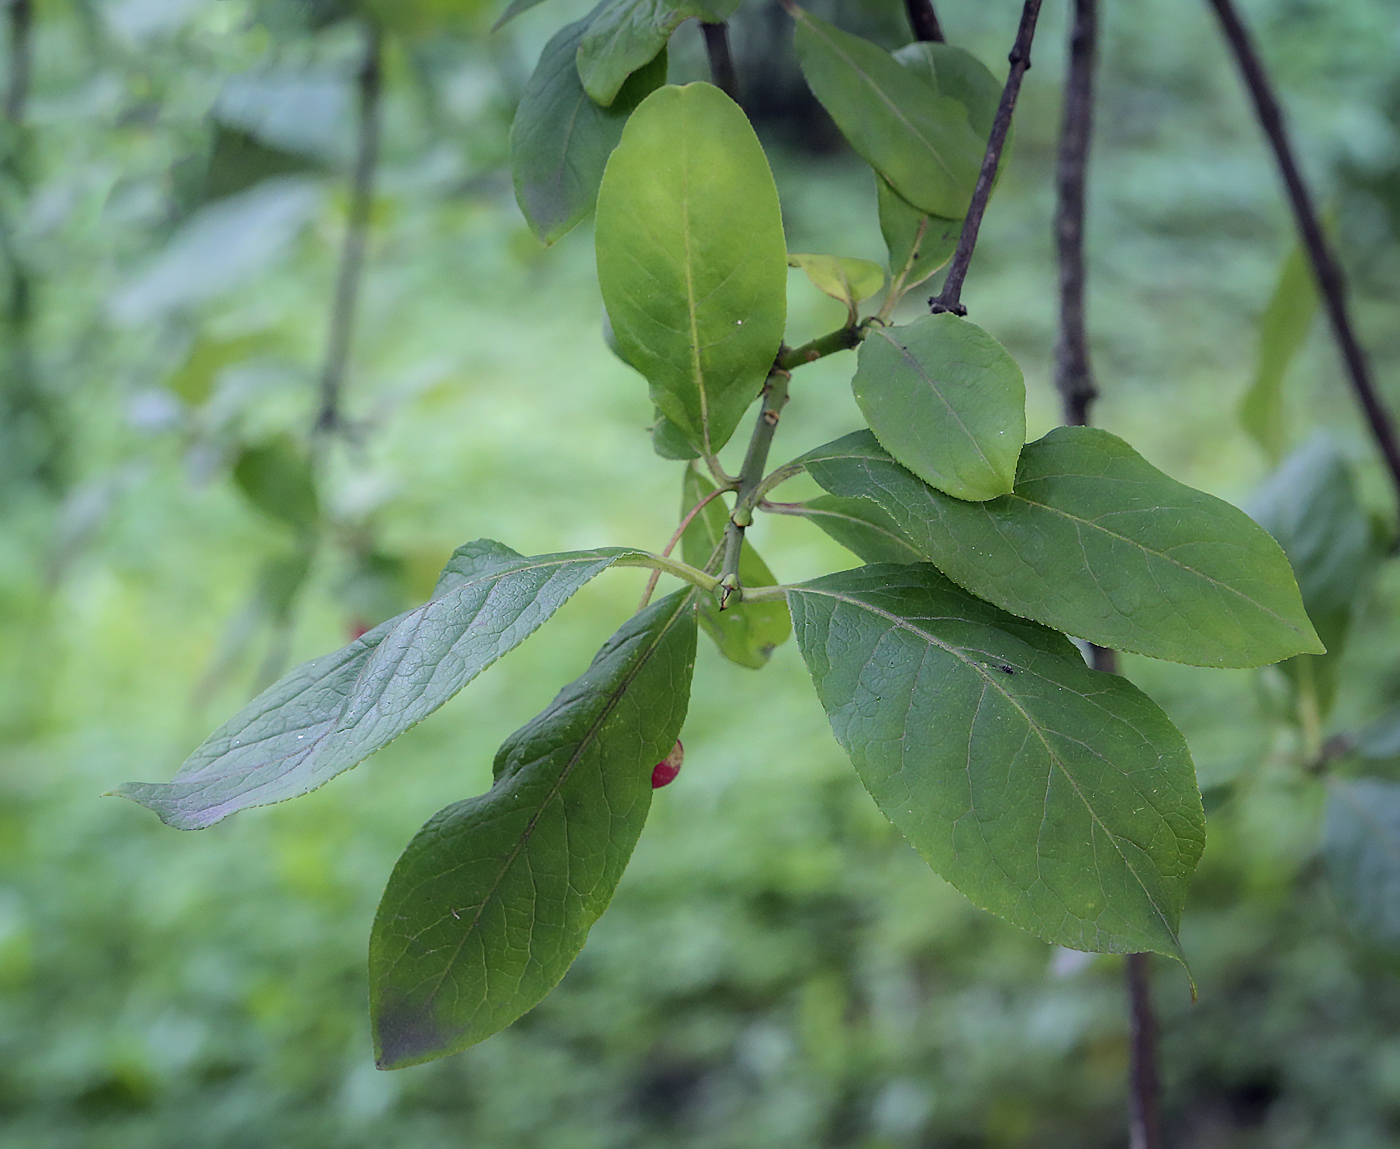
921 142
958 74
494 897
918 244
623 35
691 258
1361 843
849 280
1310 506
276 477
514 9
560 140
1058 797
332 713
946 400
862 528
746 633
1283 328
1097 542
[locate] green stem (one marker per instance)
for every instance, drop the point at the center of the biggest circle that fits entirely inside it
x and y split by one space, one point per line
775 393
842 339
648 561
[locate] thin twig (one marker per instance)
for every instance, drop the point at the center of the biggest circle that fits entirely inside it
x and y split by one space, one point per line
1074 376
675 538
1074 373
1330 281
1144 1121
352 258
21 57
751 479
923 21
950 299
842 339
722 72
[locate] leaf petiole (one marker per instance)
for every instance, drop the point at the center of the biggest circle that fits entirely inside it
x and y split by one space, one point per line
670 566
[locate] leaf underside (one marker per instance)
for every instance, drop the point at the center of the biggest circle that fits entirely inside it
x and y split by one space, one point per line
1058 797
330 714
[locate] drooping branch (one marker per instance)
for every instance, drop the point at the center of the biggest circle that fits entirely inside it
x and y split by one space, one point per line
352 258
1074 377
1074 373
1330 281
923 21
21 56
1144 1124
950 299
722 72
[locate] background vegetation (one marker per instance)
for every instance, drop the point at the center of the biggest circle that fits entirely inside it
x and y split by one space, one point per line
778 969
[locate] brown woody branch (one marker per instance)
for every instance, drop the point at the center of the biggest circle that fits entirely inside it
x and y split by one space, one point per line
950 298
923 21
1330 281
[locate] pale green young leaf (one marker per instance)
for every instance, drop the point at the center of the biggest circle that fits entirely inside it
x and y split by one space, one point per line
947 401
862 528
692 262
1058 797
1361 843
332 713
623 35
1098 543
494 897
920 141
1283 328
560 140
746 633
849 280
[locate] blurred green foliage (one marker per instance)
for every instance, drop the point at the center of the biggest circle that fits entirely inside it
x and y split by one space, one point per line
779 969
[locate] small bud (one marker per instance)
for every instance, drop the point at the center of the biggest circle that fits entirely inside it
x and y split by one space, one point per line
666 770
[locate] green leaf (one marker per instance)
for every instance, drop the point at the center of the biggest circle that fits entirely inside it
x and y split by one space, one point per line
276 477
1361 843
624 34
494 897
560 140
1310 506
918 244
921 142
946 400
1097 542
1060 798
862 528
1283 328
692 262
194 380
669 441
514 9
849 280
332 713
746 633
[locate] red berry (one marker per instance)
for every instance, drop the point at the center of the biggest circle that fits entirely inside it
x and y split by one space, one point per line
665 771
